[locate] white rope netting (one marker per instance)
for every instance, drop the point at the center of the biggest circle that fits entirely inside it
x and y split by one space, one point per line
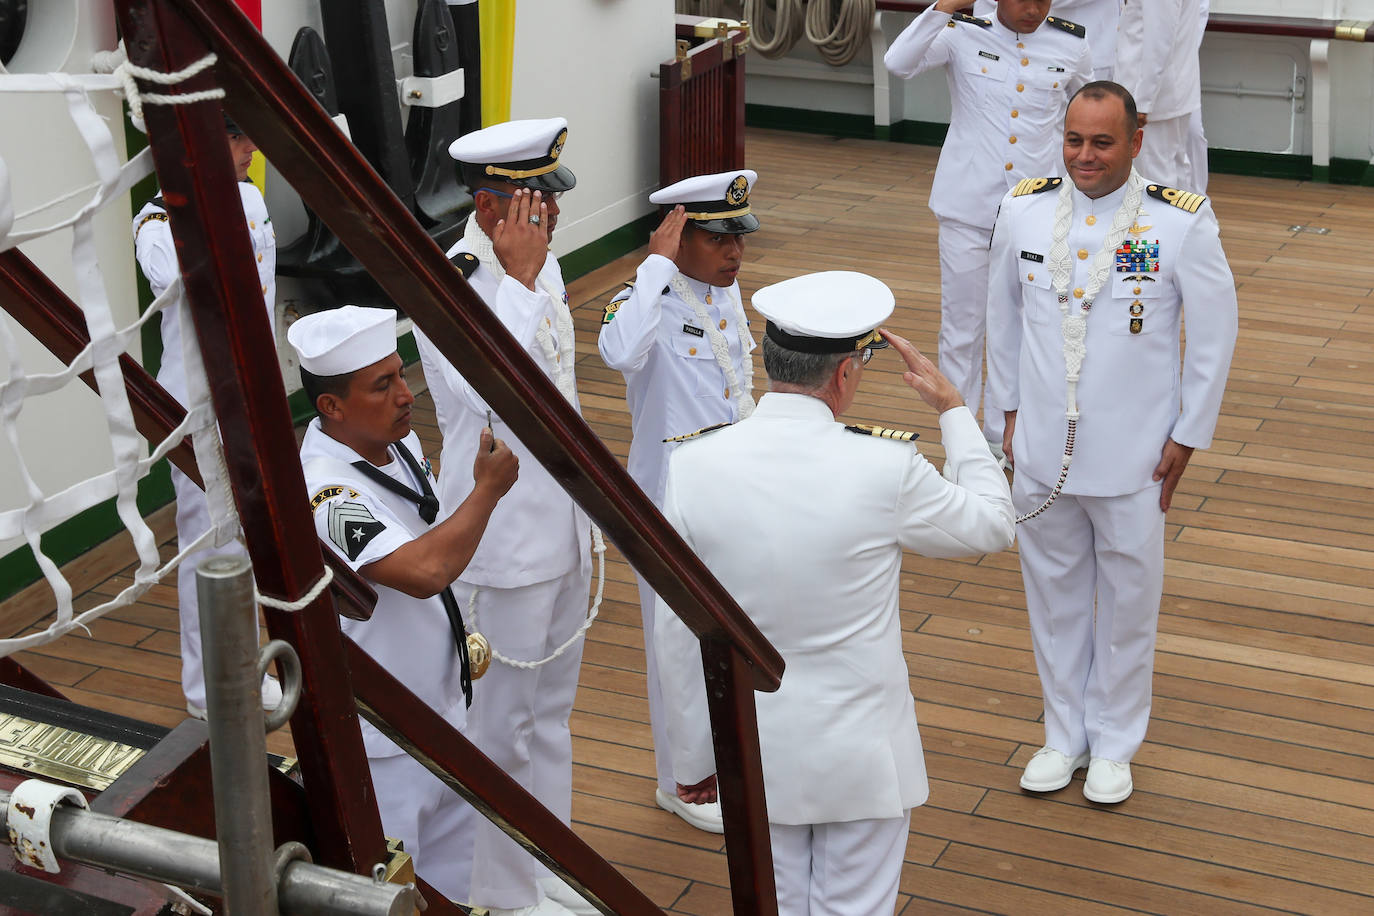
42 510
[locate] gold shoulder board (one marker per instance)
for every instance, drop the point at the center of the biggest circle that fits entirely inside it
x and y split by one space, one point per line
703 430
1072 28
971 20
1035 186
466 263
1184 200
882 432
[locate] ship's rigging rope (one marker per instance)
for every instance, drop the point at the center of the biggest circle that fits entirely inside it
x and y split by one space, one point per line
838 28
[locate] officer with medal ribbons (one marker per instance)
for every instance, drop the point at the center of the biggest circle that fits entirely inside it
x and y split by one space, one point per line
372 494
804 520
1091 277
680 336
155 250
526 588
1009 80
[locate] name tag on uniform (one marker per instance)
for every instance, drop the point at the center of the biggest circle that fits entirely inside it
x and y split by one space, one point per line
695 332
1056 69
989 55
1032 256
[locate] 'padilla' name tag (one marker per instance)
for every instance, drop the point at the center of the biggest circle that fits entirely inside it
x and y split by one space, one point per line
695 332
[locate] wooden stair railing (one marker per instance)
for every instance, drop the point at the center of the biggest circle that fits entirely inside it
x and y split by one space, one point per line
221 289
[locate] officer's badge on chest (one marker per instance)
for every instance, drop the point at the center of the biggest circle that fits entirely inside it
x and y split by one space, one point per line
1137 276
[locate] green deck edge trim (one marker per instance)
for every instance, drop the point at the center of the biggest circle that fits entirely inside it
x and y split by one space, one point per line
930 133
581 261
78 534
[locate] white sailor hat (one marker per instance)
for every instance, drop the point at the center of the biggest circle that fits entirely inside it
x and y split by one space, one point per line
835 311
343 340
716 203
524 153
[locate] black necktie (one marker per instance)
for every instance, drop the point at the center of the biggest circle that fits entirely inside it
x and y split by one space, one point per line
427 504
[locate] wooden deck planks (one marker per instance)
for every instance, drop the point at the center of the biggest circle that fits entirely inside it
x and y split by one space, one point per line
1255 788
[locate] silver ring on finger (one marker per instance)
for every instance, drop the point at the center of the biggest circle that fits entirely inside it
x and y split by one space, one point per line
534 218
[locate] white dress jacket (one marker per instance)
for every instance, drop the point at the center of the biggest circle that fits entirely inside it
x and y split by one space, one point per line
804 522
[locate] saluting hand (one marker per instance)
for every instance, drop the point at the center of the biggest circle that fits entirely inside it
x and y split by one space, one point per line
496 466
521 245
667 238
922 375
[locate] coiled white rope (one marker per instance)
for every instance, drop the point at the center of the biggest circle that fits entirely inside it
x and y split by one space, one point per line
598 548
841 34
128 72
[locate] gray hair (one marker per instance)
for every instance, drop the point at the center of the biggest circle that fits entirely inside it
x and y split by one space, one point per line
804 370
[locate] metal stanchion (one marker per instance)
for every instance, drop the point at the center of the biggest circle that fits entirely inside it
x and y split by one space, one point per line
238 739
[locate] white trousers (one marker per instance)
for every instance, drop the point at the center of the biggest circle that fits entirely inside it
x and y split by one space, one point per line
658 715
850 868
429 818
1197 153
964 314
519 718
1095 670
193 520
1165 154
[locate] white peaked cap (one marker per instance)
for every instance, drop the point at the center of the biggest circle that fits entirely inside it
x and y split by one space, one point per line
703 187
343 340
510 141
835 311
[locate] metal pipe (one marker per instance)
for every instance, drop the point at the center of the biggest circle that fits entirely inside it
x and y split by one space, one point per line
238 742
145 851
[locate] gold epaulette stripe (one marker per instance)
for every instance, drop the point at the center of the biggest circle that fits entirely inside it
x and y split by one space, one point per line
971 20
882 432
1072 28
1034 186
1188 201
704 429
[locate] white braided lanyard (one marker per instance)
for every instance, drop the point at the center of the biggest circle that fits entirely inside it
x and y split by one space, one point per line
744 394
560 362
1074 326
559 359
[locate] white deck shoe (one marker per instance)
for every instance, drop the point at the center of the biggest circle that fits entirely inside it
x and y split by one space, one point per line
1108 782
1049 770
705 817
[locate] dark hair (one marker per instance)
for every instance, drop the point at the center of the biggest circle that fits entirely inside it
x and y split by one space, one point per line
1101 89
316 385
805 370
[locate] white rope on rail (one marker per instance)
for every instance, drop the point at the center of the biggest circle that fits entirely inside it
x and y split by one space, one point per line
282 604
128 71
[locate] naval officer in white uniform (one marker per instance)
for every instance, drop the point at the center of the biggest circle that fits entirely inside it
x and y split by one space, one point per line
804 520
157 257
1157 62
680 336
530 577
1097 271
1009 80
1098 18
372 495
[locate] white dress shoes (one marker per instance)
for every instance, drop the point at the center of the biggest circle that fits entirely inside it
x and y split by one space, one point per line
1108 782
1049 770
562 893
705 817
545 907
